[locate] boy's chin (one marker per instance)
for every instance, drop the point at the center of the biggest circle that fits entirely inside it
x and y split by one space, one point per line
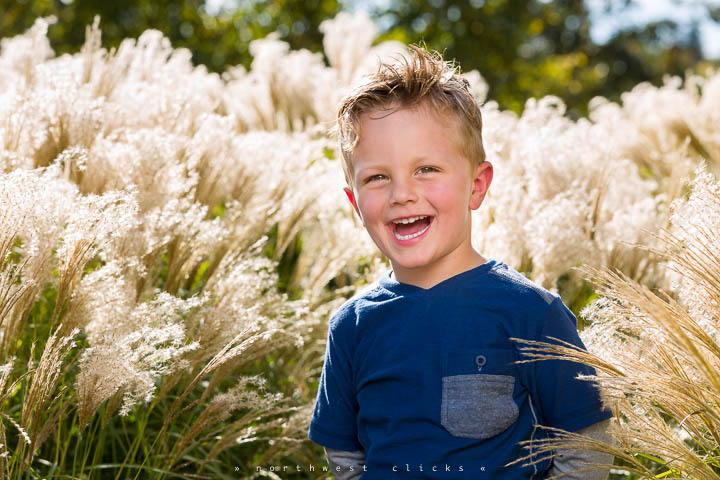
409 265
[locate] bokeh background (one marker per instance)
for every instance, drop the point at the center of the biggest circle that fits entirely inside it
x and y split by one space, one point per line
575 49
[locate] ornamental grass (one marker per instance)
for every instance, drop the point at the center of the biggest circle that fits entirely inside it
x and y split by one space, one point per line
657 352
173 241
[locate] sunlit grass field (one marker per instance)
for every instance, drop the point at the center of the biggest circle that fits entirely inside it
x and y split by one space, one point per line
173 242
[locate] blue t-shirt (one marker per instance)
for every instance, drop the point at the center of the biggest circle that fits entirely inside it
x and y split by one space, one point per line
425 380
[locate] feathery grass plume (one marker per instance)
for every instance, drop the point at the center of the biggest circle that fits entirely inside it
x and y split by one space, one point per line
55 112
477 85
251 343
347 39
347 43
303 366
147 158
5 371
283 435
89 50
129 358
287 443
334 243
573 198
21 54
283 430
180 225
72 118
16 130
93 221
167 245
41 403
264 335
34 204
151 83
282 204
104 296
242 294
707 117
131 365
658 355
663 121
279 92
345 246
246 304
249 394
211 152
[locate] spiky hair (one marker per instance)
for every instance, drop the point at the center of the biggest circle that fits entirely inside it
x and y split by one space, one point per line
420 78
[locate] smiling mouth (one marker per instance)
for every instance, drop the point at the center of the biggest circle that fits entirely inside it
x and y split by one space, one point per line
407 230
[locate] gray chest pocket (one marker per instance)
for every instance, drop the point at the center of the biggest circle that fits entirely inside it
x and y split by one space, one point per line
477 394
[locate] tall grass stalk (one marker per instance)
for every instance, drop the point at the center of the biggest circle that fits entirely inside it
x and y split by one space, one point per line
657 353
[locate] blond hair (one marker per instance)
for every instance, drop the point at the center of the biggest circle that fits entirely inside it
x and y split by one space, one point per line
422 78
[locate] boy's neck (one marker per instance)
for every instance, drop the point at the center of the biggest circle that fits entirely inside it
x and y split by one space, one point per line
429 278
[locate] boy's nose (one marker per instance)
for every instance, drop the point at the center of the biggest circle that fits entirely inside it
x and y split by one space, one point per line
403 191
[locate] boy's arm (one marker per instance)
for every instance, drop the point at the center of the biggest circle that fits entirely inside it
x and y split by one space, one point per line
345 460
334 420
565 401
570 460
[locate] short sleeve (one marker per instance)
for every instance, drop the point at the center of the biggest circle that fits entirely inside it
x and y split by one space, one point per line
563 400
334 419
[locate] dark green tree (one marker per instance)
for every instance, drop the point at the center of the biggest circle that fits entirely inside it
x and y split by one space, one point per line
524 48
532 48
216 40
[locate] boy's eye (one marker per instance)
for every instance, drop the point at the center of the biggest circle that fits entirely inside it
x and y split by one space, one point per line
427 169
374 177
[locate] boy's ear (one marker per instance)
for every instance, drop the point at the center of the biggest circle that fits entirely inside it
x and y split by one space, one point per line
482 177
351 197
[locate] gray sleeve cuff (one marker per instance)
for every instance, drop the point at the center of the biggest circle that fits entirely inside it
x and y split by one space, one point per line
567 461
345 465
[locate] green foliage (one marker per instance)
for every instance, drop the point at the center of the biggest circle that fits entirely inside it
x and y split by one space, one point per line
214 40
523 48
536 48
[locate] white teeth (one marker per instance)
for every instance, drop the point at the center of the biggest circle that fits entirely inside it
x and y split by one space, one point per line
417 234
410 220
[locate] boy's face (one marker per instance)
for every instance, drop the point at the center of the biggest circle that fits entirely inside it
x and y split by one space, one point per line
407 167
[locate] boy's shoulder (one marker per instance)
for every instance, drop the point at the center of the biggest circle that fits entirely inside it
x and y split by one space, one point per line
367 294
527 305
518 285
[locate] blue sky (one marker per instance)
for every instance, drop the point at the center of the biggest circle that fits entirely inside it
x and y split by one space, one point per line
642 12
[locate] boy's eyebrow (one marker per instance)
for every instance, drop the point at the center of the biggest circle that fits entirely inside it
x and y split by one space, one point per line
367 171
379 166
415 162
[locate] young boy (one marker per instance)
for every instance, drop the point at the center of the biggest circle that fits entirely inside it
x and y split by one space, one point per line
420 379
